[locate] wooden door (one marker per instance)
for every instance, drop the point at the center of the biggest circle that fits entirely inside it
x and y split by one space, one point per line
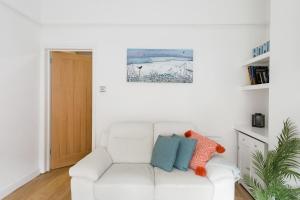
71 108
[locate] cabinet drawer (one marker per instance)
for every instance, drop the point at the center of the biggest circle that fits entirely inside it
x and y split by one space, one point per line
253 143
258 146
244 139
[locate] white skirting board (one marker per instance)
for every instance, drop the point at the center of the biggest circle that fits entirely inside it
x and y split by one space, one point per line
25 179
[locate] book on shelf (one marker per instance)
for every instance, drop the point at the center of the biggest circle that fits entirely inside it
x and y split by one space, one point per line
258 74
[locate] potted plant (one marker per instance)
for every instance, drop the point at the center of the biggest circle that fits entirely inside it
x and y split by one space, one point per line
276 168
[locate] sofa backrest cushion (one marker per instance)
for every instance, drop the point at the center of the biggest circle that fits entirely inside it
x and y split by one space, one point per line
131 142
170 128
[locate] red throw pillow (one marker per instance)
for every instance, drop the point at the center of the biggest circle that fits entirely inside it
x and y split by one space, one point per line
205 148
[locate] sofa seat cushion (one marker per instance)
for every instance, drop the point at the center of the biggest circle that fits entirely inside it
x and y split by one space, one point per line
181 185
126 181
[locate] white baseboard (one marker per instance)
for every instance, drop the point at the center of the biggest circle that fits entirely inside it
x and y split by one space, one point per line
10 188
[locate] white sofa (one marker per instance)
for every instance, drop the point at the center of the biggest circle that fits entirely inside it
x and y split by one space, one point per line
121 170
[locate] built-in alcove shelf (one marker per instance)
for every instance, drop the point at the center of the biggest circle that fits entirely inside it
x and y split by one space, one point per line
257 133
255 87
259 60
255 99
262 60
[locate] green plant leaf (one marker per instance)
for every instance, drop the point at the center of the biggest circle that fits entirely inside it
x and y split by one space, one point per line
279 165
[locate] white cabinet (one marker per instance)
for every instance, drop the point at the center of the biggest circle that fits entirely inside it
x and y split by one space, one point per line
246 147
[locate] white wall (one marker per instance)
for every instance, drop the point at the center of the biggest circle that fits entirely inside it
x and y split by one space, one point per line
285 65
29 8
210 101
155 11
19 59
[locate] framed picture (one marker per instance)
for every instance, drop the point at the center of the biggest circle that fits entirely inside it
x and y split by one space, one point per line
160 65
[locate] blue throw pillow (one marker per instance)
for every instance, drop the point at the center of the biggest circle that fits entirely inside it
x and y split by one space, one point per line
164 152
185 152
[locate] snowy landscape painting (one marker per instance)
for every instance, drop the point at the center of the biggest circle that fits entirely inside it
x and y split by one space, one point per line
160 65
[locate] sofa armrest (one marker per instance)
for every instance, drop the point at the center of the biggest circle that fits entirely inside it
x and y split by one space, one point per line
220 168
93 165
223 181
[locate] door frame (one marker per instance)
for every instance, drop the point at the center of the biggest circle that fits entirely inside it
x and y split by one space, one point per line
45 102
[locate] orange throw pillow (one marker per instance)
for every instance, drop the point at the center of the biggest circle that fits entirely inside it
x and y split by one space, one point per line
204 150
